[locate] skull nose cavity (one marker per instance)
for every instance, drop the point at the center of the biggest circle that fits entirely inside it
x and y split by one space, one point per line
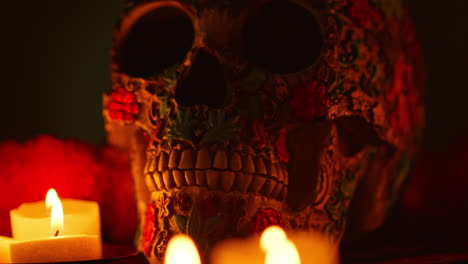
204 83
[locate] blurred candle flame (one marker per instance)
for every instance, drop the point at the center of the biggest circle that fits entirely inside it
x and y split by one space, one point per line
181 250
54 204
278 248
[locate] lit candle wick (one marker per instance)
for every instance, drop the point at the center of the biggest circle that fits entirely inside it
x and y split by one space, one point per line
56 212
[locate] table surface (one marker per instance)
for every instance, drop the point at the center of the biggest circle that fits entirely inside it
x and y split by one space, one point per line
422 255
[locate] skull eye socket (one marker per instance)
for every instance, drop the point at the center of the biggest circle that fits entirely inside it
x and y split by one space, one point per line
282 37
155 42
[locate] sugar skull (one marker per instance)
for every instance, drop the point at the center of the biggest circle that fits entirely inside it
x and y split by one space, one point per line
243 114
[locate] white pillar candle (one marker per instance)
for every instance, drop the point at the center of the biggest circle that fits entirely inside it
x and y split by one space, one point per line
5 249
41 233
56 249
32 220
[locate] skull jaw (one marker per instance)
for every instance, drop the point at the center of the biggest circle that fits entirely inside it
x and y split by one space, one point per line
225 183
216 191
208 216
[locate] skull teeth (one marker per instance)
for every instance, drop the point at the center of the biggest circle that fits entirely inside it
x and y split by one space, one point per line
272 171
158 180
227 180
190 177
174 159
153 163
280 172
212 178
244 180
163 161
179 178
200 177
150 183
249 164
220 160
277 190
236 162
260 166
233 170
168 179
186 160
203 159
257 184
268 187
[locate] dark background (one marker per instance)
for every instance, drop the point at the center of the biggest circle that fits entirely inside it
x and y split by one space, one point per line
54 66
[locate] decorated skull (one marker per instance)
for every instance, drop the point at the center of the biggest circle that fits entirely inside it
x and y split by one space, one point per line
243 114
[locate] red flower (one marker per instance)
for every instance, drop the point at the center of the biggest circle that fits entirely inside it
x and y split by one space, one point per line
309 101
265 218
280 146
363 14
123 105
149 229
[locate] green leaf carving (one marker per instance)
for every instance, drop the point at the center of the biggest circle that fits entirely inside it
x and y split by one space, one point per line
170 76
181 127
181 223
194 222
164 107
218 127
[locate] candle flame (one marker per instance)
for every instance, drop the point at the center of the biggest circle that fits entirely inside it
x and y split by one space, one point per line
56 212
277 247
181 250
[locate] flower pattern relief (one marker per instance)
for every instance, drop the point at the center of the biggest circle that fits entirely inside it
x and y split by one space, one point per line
264 218
363 13
123 105
162 204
